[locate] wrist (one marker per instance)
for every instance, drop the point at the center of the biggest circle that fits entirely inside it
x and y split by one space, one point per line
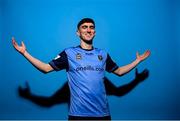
138 61
24 53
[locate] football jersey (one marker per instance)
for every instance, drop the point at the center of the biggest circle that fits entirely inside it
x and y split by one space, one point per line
85 72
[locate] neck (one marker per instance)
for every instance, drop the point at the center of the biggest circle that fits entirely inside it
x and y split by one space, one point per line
86 46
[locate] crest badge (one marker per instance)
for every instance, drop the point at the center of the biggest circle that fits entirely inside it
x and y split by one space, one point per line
78 56
100 57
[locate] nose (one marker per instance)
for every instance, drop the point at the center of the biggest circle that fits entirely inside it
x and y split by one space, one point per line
88 29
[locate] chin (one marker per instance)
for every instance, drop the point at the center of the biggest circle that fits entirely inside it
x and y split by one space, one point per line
88 41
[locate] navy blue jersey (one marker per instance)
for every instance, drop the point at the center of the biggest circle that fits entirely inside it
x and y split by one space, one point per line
85 71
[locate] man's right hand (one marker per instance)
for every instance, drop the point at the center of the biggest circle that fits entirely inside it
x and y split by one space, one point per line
41 66
21 49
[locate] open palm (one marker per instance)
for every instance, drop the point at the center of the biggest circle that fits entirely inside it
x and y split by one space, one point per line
21 48
143 56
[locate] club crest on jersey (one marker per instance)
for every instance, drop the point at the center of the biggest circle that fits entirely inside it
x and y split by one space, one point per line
78 56
100 57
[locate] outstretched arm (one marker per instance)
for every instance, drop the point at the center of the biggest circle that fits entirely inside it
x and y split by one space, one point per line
43 67
125 69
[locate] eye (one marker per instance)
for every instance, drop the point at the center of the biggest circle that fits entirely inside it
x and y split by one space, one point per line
84 27
92 27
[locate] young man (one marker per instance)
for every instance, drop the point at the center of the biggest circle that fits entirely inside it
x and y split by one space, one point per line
85 66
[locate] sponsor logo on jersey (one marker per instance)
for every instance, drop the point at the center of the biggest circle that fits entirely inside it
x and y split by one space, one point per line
78 56
100 57
89 68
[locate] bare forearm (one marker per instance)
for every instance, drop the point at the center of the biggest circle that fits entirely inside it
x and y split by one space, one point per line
127 68
43 67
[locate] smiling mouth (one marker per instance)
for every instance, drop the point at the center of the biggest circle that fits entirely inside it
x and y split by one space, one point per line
89 35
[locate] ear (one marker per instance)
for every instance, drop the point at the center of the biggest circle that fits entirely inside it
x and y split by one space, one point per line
77 32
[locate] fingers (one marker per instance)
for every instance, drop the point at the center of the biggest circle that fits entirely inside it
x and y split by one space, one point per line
22 43
144 55
13 41
137 54
16 44
147 53
13 38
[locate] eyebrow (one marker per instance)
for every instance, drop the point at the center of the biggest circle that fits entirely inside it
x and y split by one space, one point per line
89 26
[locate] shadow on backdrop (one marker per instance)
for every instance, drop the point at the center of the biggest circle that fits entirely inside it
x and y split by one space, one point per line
63 94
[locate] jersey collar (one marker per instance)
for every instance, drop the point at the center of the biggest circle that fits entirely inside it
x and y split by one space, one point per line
85 49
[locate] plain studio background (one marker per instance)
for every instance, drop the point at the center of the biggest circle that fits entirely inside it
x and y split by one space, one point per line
123 27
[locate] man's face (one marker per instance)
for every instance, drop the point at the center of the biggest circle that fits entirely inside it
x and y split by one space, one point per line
86 32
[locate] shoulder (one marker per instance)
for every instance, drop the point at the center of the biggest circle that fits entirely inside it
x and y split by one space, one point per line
70 48
64 51
101 51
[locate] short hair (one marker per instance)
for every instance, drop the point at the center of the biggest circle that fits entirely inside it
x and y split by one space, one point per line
85 20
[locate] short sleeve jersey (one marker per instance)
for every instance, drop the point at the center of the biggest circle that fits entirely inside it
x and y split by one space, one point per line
85 72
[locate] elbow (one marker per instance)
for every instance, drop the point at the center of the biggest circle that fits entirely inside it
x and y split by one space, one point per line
44 72
119 74
46 69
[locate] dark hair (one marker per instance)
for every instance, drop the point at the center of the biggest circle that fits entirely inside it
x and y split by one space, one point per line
85 20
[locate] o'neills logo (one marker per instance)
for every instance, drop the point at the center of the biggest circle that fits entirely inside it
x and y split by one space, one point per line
78 56
89 68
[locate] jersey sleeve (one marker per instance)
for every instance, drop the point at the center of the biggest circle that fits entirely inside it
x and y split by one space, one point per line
60 62
110 64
